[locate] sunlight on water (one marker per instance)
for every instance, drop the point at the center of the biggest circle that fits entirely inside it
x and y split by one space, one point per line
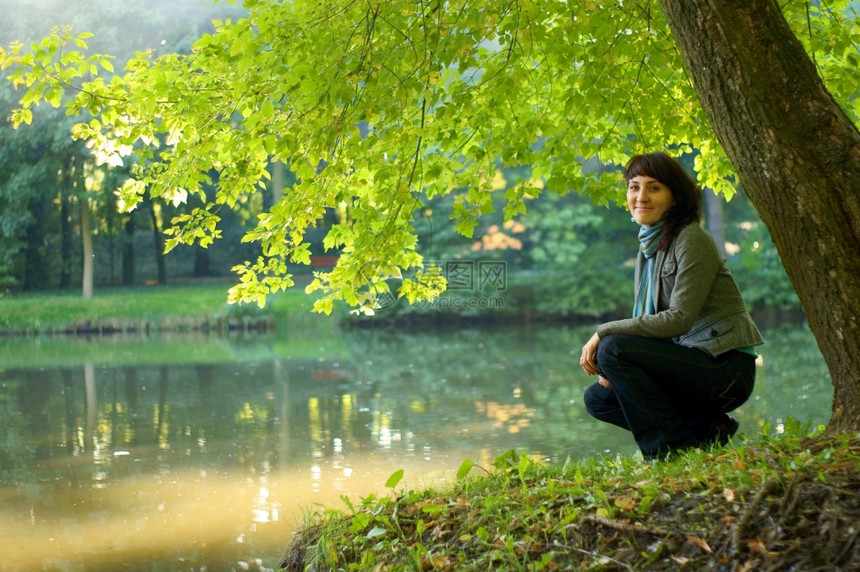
181 513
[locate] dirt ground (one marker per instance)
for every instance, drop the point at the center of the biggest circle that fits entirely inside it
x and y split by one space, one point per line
806 521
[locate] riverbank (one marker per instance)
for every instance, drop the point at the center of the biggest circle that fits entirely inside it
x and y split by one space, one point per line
193 306
775 503
202 306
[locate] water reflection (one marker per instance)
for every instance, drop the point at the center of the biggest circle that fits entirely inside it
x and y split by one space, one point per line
204 452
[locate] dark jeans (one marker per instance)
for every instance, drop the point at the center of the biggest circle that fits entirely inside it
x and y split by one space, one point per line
669 396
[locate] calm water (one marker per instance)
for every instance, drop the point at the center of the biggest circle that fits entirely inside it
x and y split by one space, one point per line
194 452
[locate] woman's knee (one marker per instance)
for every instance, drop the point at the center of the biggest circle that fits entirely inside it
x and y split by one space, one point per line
610 347
598 399
613 346
602 404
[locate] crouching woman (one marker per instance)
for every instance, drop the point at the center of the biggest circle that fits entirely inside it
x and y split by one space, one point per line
672 372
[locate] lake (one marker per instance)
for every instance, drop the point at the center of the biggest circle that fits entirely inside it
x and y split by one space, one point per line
205 452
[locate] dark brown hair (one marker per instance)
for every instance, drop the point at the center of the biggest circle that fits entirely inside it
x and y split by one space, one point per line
685 191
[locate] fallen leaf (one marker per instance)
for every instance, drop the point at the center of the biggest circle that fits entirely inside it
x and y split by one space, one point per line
748 565
759 547
700 543
625 503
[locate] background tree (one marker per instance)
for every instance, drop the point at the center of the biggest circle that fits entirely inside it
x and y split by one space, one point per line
375 106
46 179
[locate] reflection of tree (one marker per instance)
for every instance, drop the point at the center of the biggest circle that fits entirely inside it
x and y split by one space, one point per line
454 390
428 384
70 410
33 397
134 417
92 405
460 389
17 451
204 384
161 436
318 404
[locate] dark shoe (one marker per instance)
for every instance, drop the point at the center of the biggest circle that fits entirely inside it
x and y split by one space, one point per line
723 429
726 428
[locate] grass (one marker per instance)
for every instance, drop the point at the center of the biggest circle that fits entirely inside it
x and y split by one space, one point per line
158 307
176 322
774 503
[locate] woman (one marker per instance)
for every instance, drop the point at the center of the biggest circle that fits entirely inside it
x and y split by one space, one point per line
671 372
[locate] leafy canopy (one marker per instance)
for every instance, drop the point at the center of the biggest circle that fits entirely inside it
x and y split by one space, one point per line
379 107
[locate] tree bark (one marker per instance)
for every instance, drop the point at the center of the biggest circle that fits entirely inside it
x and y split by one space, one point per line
86 250
714 219
36 275
798 156
128 251
202 262
158 238
66 229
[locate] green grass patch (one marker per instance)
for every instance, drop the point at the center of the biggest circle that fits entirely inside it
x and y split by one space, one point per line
752 506
167 307
164 325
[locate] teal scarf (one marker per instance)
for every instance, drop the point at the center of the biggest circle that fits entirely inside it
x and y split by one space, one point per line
649 238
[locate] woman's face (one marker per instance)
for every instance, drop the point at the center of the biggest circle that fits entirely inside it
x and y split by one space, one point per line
648 199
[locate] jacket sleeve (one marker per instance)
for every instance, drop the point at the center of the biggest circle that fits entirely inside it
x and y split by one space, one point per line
686 276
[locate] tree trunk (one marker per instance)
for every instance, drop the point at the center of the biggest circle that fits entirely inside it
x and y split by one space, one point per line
92 405
128 252
798 156
202 262
66 250
277 183
714 219
37 276
158 238
87 250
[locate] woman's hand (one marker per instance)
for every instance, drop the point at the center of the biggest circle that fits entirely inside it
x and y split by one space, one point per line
588 359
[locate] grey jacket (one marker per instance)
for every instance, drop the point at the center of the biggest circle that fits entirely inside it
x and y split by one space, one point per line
698 303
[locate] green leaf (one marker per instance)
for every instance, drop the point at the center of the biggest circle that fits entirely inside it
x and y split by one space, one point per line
507 460
433 509
464 469
375 532
359 521
394 479
54 96
20 116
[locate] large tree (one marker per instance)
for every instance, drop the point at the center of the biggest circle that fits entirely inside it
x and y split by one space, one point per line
378 106
798 155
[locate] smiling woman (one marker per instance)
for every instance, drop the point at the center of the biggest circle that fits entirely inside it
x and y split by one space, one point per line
648 199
